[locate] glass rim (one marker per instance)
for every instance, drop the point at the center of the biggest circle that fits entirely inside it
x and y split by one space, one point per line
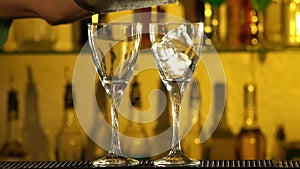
177 23
113 23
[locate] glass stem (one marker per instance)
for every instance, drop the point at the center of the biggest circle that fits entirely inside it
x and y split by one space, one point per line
176 146
176 98
115 102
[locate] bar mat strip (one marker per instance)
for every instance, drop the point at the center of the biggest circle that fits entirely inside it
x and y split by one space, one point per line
149 164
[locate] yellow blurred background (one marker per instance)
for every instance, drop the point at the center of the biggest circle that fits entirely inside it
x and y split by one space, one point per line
275 74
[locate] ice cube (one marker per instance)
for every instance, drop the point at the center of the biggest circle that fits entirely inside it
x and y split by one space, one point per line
177 65
179 34
169 53
174 64
162 51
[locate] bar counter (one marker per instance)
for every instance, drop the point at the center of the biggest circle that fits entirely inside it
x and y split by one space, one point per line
149 164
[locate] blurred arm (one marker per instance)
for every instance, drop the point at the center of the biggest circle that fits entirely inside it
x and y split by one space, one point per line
53 11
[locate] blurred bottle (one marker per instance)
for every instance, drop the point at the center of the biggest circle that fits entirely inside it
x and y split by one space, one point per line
194 10
274 23
71 138
213 16
164 120
39 36
222 140
292 22
222 145
93 151
191 145
234 7
137 146
83 31
250 141
245 28
174 11
249 24
38 148
66 41
13 149
79 36
293 150
279 147
143 15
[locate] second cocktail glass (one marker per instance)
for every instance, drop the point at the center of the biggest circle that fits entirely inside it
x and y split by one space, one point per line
176 48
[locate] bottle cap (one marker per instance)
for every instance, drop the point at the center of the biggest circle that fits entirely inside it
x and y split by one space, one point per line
135 93
12 105
68 89
12 102
280 135
68 96
250 94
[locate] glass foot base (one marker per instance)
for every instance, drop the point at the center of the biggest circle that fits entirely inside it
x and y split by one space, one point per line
175 160
113 160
